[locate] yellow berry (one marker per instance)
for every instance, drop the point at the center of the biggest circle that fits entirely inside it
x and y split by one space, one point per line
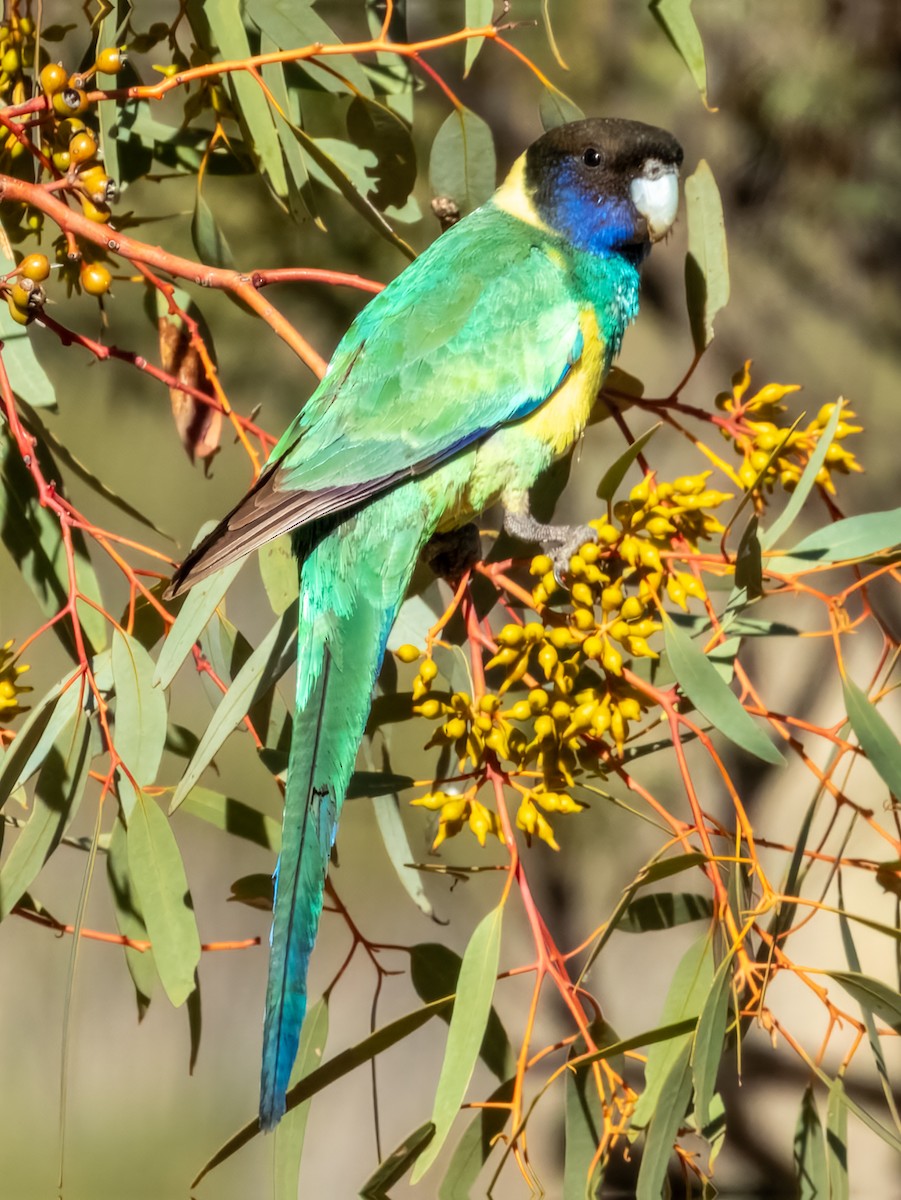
82 147
66 130
407 653
109 61
428 671
35 266
53 78
95 278
95 212
70 102
20 315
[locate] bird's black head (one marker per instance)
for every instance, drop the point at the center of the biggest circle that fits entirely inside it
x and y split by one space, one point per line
605 184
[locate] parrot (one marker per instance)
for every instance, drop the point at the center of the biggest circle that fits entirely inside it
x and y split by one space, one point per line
456 386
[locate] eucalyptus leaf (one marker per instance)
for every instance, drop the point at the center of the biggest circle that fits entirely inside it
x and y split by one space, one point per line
377 1043
200 603
393 1168
616 473
161 888
707 260
848 540
875 735
254 679
673 1096
472 1009
712 697
463 164
805 485
129 921
141 716
226 25
290 1132
478 15
809 1151
60 786
689 988
435 972
675 17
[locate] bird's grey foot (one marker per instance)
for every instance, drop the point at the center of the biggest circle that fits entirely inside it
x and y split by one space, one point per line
452 553
559 542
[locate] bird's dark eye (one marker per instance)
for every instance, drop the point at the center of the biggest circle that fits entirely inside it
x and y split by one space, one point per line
592 157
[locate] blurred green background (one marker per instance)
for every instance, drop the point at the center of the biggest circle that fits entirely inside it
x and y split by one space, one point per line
806 148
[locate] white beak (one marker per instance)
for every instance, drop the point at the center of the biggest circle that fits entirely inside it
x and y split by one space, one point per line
657 200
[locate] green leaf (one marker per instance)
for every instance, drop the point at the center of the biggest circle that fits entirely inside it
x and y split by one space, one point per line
848 540
57 795
434 973
749 563
802 490
32 535
472 1008
475 1146
688 990
383 1039
290 1132
141 717
872 1034
583 1122
872 995
463 166
200 604
809 1151
664 910
651 1037
707 260
712 697
707 1044
397 847
372 784
26 375
875 735
278 569
255 678
129 921
837 1141
478 15
555 108
227 28
321 152
393 1168
696 624
161 887
615 474
287 116
235 817
678 24
38 734
289 23
673 1095
209 241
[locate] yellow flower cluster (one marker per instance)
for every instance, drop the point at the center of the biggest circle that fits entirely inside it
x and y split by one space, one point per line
17 36
10 688
457 811
772 451
571 700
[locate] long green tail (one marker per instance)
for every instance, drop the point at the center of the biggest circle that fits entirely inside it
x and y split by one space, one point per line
352 584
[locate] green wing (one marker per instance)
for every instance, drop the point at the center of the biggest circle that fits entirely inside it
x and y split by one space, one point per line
477 332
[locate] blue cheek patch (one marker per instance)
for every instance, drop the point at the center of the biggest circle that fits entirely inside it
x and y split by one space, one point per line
597 224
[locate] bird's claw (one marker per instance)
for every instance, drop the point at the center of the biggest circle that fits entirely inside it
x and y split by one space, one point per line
572 537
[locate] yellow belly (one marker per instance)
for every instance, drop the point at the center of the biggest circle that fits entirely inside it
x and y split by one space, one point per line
512 458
